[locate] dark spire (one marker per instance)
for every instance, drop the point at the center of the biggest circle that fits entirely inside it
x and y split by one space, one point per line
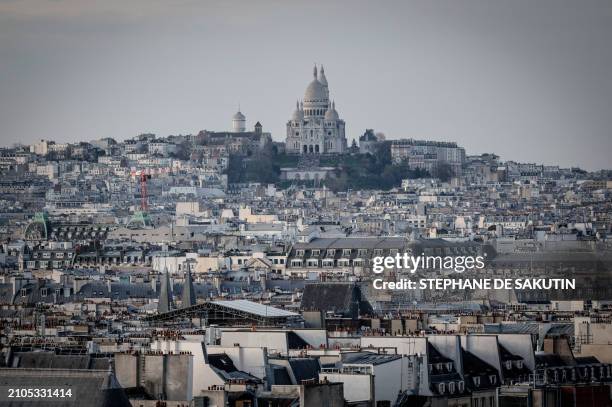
165 296
188 291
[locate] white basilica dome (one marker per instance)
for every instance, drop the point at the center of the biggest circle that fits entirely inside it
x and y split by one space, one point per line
315 92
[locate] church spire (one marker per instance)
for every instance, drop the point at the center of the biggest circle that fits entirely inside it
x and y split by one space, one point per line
188 291
165 296
314 72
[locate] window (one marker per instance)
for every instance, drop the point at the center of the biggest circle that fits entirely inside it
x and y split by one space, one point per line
451 387
44 292
441 388
493 379
312 263
476 381
23 292
316 252
461 386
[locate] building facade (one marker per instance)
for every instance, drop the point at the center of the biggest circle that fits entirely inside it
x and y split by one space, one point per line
428 155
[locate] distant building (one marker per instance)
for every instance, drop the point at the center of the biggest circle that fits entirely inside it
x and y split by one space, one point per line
368 142
428 155
238 141
316 127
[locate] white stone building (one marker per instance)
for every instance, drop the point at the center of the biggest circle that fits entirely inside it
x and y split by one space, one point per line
316 127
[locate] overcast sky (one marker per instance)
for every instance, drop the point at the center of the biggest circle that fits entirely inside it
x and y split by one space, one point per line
530 80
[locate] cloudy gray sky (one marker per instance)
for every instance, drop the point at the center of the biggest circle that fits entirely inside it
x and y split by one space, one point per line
528 79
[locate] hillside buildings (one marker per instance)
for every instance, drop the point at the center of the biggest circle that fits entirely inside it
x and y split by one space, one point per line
143 272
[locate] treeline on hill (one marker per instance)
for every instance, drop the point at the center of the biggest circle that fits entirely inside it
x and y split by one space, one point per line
353 171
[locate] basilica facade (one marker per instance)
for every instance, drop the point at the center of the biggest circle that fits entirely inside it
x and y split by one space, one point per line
316 127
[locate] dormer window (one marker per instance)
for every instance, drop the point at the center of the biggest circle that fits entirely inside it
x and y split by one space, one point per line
441 388
461 386
451 387
449 366
299 253
346 252
477 381
509 365
519 364
493 379
316 252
